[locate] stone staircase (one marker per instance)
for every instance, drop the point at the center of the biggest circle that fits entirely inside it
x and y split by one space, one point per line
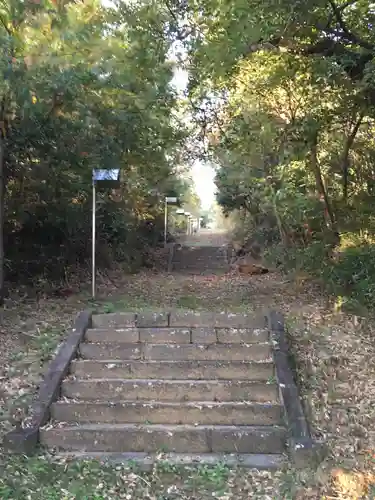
192 387
200 259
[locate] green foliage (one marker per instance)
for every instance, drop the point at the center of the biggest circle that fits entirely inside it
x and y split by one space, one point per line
286 92
353 275
85 87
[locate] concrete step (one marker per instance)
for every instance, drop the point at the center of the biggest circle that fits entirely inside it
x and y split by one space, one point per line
209 319
176 352
200 267
178 318
202 250
169 390
114 320
142 412
130 320
179 335
200 259
134 335
191 259
167 438
227 370
146 462
200 272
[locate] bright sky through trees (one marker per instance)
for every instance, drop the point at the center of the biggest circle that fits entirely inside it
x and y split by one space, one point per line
203 174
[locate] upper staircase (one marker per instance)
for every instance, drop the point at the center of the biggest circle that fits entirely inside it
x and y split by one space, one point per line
200 259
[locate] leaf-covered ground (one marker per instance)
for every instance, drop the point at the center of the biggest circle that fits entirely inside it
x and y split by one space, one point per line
334 353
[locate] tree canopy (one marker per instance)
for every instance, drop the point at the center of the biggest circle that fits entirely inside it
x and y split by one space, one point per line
286 94
84 87
280 96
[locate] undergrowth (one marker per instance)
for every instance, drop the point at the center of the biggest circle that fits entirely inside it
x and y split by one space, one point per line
348 272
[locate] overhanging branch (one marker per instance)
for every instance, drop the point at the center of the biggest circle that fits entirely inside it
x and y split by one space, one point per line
346 33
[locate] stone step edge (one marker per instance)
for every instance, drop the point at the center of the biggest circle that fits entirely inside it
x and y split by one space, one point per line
172 335
79 368
198 362
172 345
144 462
170 404
101 427
154 381
179 317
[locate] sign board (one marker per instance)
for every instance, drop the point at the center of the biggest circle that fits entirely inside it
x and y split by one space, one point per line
180 211
171 199
108 178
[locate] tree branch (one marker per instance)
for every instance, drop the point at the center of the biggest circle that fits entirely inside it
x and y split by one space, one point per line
4 24
345 155
348 35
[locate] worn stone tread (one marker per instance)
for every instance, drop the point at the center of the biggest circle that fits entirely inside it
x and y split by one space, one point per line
146 462
152 319
242 335
169 438
176 352
126 334
220 370
112 350
177 335
169 390
114 320
215 319
164 335
199 412
155 335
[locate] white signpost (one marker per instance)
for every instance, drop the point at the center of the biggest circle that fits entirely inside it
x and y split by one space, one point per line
188 215
171 200
105 178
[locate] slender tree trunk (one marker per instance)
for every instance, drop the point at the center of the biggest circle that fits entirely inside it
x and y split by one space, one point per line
280 226
2 193
345 157
321 188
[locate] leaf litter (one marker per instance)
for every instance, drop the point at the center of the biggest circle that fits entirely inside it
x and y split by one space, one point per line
334 355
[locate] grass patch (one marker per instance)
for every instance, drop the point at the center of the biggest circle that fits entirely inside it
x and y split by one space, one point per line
39 479
188 302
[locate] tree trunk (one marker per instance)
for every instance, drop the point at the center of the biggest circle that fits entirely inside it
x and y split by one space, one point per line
2 196
321 188
345 157
283 234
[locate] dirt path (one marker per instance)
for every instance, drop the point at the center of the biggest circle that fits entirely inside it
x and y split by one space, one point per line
336 360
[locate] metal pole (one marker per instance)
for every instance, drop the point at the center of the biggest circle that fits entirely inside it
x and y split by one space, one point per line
165 222
93 239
